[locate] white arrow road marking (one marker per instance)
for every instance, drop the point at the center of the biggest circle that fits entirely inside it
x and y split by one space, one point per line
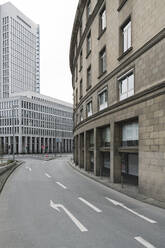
130 210
144 242
60 184
47 175
76 221
90 205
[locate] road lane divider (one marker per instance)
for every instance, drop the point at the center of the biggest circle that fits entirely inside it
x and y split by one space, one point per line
61 185
57 207
144 242
47 175
90 205
131 211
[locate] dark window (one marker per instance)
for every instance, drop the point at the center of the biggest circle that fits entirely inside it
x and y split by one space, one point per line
102 61
102 20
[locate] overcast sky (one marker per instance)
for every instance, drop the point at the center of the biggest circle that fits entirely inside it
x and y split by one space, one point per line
56 19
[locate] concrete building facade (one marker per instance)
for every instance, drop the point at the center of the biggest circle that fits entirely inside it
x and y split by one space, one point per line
117 61
39 124
19 52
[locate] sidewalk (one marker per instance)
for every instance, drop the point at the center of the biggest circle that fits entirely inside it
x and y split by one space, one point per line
129 190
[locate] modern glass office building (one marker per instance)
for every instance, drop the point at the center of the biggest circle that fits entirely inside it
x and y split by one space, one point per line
39 124
19 52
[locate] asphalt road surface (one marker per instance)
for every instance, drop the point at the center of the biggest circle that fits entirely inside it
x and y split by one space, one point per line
47 204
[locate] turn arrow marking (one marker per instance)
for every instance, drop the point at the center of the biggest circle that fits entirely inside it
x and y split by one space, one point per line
131 211
74 219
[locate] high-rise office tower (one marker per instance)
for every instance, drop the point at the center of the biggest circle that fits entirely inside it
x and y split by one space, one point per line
19 52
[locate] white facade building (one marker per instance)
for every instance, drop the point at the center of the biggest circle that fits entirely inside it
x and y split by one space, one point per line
40 124
19 52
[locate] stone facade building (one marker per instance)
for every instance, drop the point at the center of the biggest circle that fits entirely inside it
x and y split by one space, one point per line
117 60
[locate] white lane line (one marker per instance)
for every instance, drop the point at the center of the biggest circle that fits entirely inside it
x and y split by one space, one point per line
131 211
144 242
47 175
61 185
74 219
90 205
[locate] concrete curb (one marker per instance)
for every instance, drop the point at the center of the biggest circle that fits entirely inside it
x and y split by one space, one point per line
138 196
6 172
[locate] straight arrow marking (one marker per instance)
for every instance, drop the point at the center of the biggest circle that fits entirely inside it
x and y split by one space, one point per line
131 211
144 242
74 219
46 174
90 205
60 184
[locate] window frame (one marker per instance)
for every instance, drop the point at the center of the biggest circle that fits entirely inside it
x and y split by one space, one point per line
89 79
88 44
101 28
102 70
88 10
104 90
121 79
91 112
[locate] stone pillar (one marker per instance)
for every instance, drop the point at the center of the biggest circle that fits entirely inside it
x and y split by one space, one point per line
79 150
26 151
20 144
86 151
48 146
44 144
35 145
69 145
9 145
82 150
97 165
115 158
30 148
39 145
4 146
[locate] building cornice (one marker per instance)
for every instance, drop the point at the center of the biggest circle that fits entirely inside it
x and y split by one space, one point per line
148 94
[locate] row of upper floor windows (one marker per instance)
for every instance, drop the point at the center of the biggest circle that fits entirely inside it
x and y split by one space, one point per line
125 90
125 45
102 15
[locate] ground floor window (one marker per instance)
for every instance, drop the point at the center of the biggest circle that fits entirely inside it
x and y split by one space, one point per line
130 164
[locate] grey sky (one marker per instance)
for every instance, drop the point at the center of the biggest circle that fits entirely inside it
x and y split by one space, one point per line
56 20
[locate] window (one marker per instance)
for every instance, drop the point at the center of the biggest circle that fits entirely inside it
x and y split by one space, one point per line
102 20
102 61
81 115
103 99
81 60
88 9
76 97
105 136
130 133
89 77
80 30
126 35
89 109
126 86
76 72
81 89
88 43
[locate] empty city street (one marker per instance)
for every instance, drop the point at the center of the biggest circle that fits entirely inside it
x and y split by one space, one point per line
49 204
